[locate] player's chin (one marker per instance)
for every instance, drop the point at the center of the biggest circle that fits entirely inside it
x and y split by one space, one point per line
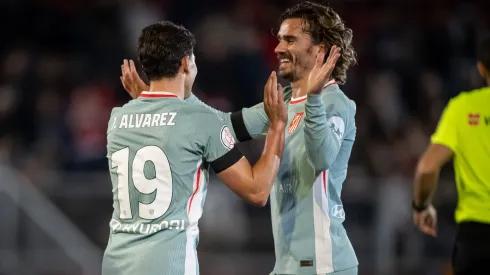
285 74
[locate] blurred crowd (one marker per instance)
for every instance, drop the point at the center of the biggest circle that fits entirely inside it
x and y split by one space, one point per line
60 70
61 62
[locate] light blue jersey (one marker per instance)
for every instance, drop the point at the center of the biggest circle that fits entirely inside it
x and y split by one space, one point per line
160 149
306 207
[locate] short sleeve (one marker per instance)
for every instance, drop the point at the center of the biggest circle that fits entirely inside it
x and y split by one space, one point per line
220 151
446 132
256 120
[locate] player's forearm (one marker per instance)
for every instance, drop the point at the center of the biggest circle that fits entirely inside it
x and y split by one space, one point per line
265 170
321 144
425 185
427 172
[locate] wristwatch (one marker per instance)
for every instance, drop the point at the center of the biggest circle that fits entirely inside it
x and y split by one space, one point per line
419 208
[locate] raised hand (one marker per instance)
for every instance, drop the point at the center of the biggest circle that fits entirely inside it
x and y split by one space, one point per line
275 107
321 72
131 81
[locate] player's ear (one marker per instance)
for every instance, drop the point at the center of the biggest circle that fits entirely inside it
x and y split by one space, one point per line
323 49
482 69
186 64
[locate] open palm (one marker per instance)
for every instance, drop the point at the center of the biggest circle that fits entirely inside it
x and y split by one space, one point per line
131 81
322 72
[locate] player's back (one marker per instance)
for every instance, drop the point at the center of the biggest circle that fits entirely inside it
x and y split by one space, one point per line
155 151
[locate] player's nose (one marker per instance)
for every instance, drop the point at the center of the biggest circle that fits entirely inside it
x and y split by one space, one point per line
280 48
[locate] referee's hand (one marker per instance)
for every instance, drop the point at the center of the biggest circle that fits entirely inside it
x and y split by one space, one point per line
426 221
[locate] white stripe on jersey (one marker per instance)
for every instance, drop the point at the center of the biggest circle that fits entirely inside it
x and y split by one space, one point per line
321 220
194 212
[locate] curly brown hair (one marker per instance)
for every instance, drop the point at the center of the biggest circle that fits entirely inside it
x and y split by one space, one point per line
325 26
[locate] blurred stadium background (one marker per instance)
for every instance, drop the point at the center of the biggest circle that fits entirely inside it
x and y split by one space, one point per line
59 80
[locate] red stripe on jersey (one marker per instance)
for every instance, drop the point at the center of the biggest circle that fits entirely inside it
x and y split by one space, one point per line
198 179
157 94
329 83
324 174
293 101
295 122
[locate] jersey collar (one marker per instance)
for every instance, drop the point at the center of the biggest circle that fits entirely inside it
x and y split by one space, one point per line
303 98
146 94
331 82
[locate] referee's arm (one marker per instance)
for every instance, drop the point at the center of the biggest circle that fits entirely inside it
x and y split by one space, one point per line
427 173
439 152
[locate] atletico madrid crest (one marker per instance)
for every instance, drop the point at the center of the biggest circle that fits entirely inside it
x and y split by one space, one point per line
295 122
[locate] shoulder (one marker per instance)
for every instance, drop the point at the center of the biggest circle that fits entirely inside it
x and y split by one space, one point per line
469 97
200 115
196 110
210 124
335 98
120 110
462 100
128 106
115 110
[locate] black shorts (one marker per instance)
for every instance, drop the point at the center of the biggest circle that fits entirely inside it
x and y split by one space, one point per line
471 252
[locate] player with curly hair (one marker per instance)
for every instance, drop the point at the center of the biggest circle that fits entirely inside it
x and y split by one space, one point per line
306 208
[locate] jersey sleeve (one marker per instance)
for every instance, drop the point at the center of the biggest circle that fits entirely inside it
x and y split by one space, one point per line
326 116
446 132
219 151
246 124
255 121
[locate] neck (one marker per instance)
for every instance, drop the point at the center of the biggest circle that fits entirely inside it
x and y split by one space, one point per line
171 85
299 87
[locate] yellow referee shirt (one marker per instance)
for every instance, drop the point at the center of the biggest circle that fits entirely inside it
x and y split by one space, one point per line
465 128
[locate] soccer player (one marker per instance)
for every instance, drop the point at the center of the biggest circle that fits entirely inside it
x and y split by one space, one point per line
160 148
463 134
306 208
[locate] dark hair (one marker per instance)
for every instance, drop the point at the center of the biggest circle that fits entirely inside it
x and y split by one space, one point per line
162 46
325 26
483 51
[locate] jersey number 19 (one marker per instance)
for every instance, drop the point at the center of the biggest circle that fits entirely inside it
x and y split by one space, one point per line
161 184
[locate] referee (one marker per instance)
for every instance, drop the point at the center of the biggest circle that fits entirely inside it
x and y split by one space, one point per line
463 133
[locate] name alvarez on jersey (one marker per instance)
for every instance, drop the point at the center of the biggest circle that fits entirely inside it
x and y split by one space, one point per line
129 121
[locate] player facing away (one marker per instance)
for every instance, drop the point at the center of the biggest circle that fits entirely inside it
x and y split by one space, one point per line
160 149
463 134
306 207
